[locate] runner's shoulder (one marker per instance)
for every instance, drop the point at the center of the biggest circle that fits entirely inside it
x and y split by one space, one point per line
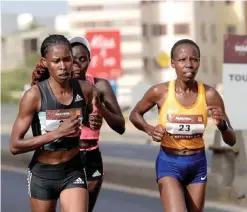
85 84
31 97
156 92
102 84
210 90
101 81
160 88
32 93
211 93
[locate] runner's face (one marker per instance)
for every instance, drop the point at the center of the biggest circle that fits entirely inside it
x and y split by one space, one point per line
58 60
81 61
186 62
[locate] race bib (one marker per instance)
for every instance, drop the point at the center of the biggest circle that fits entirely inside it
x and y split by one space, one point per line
185 126
55 117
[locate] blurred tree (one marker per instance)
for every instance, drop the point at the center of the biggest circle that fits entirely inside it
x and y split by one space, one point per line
34 25
32 60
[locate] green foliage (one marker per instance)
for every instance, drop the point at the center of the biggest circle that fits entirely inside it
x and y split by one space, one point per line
32 60
34 25
13 81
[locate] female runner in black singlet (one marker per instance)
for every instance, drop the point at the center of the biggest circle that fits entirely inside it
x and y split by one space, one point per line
55 108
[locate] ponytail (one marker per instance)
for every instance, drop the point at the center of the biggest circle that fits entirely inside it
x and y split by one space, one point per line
40 73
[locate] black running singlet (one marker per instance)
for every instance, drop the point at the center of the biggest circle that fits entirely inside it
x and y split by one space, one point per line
52 113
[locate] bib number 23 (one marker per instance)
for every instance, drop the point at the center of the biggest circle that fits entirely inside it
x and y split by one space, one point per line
184 127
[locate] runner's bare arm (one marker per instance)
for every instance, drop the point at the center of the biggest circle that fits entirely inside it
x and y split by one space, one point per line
216 105
88 92
109 107
150 99
87 89
28 106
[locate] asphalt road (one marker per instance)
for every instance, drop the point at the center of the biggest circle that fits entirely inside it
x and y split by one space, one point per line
14 197
122 150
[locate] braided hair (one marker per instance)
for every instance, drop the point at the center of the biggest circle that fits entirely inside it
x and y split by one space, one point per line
41 73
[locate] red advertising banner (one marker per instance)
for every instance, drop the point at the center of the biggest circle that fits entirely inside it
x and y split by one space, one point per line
235 49
105 54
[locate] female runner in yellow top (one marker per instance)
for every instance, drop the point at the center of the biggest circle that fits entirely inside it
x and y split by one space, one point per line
181 166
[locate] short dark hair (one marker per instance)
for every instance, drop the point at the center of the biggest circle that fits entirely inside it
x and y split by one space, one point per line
184 41
80 44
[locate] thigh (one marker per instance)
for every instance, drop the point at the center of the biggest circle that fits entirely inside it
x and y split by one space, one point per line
94 186
195 197
94 189
94 173
74 200
74 194
43 205
196 188
42 189
172 194
75 179
167 167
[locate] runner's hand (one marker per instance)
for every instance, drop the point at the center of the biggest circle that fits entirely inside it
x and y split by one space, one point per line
96 100
158 133
70 127
95 121
217 115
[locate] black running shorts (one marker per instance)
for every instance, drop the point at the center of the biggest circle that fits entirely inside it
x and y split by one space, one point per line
46 182
93 164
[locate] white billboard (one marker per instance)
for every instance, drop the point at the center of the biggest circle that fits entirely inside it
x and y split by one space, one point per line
235 80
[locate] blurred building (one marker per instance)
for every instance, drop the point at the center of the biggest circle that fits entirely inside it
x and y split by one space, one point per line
21 36
150 28
125 16
18 47
245 10
232 15
169 22
122 15
205 22
233 19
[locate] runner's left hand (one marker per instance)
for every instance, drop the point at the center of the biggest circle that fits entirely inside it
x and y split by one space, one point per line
217 115
95 121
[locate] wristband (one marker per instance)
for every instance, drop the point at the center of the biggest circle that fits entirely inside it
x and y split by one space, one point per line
224 126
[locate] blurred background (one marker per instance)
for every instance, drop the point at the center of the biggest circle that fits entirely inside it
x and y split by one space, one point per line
143 33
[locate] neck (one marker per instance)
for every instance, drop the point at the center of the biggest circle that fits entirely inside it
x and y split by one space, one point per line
185 86
59 87
83 77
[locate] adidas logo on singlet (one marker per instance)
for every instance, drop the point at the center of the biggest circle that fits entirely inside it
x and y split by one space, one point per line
96 174
78 98
78 181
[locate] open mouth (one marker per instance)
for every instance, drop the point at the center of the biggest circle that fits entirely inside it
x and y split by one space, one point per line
189 74
64 75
